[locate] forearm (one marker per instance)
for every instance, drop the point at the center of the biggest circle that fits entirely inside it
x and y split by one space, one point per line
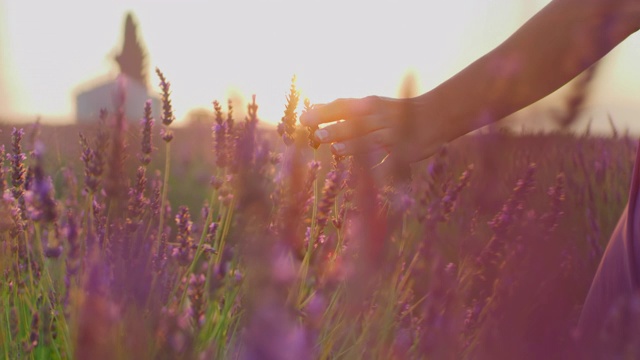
553 47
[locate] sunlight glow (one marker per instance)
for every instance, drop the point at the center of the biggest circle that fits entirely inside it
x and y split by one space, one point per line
209 49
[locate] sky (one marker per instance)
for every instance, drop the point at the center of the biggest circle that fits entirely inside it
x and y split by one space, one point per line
210 50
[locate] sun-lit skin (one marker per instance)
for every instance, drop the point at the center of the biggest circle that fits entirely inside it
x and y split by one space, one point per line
249 244
209 50
553 47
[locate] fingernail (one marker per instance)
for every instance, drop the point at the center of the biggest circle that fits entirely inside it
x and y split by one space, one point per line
322 134
338 148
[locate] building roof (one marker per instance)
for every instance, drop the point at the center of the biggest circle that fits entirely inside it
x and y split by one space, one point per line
108 94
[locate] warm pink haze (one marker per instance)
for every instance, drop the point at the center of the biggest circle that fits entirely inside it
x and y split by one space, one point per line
210 50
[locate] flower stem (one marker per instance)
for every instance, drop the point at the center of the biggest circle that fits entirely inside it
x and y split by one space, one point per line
165 187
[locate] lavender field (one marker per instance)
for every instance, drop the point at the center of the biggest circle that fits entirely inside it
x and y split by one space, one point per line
235 240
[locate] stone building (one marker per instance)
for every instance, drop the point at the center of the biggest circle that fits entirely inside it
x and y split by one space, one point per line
107 95
129 86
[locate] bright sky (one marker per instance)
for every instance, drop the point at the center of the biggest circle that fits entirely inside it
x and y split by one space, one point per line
209 49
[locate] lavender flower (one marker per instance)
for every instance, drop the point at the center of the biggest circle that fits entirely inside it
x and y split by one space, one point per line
220 136
156 194
147 123
451 196
176 339
160 257
46 205
306 193
195 291
167 108
94 157
329 193
311 129
230 122
18 168
212 230
3 170
183 253
557 195
287 126
100 220
18 221
34 335
216 182
502 220
137 201
53 249
492 256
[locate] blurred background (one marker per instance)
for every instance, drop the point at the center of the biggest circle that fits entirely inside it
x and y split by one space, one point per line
53 52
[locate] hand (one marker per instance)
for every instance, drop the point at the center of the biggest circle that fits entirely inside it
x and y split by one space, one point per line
407 129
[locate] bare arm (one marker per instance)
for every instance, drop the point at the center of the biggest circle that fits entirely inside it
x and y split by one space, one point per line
553 47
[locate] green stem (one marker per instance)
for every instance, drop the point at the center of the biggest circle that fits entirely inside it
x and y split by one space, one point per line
163 197
29 259
225 230
165 187
313 233
220 249
336 211
314 214
205 230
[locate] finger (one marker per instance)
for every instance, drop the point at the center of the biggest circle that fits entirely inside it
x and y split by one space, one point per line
339 110
346 130
379 139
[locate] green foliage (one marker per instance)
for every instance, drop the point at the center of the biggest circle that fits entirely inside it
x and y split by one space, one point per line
482 255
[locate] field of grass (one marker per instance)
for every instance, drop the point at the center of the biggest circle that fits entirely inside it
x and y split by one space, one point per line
225 242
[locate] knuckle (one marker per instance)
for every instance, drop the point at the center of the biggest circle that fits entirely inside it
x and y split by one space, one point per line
371 98
341 102
368 105
372 101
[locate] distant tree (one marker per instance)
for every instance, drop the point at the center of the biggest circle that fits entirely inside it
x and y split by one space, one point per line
133 58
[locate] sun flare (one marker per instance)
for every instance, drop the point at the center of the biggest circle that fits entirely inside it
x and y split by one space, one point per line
209 50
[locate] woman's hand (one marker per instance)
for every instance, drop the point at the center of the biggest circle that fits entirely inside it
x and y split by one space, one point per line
544 54
408 129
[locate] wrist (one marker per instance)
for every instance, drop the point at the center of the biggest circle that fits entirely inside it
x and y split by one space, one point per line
441 119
